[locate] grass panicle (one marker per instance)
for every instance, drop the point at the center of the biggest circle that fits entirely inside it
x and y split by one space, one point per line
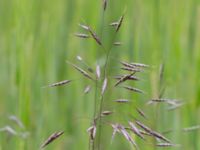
101 92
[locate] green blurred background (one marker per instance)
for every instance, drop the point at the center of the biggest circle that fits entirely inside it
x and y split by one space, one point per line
36 38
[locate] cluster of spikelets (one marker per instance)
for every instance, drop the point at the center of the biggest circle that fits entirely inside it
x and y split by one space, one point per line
135 126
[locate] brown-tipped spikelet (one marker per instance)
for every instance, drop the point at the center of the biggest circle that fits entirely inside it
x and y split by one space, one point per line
105 3
83 72
92 131
121 101
153 133
95 37
120 23
133 89
61 83
135 130
124 78
51 138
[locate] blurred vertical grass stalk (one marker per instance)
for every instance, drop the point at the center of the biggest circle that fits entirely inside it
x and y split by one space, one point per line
34 44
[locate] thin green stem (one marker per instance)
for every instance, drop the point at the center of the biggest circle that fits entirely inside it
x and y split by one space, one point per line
102 97
96 82
89 144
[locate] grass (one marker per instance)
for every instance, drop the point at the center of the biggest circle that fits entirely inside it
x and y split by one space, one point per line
37 37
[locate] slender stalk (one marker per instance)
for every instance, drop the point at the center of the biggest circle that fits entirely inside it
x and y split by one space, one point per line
102 97
96 82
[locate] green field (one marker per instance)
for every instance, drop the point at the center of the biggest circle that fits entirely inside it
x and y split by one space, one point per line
36 39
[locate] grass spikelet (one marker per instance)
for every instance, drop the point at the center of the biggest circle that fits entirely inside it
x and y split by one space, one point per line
105 2
95 37
141 113
132 69
119 23
159 100
106 113
83 72
79 58
52 138
84 27
133 78
129 78
92 131
87 89
153 133
115 130
133 89
81 35
61 83
114 24
125 64
135 130
193 128
166 145
104 86
145 133
117 43
98 72
127 136
139 65
172 102
121 101
124 78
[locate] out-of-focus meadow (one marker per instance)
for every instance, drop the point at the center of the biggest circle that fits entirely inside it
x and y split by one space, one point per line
37 37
